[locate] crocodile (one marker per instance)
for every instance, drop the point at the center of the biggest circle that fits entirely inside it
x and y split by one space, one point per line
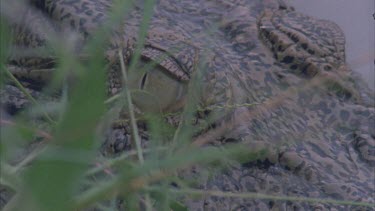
291 67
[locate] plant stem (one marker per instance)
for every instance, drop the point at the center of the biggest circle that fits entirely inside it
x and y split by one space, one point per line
133 123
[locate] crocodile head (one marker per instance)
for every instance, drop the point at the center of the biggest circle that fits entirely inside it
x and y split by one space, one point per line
272 77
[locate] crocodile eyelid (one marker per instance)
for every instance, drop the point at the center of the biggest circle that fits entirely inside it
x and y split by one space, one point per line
165 60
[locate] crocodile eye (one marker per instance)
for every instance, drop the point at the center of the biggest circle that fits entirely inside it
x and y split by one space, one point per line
155 89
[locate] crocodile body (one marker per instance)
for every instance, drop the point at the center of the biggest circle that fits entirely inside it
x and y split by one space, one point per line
252 51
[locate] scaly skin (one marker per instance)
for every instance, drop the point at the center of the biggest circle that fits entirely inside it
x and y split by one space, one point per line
252 51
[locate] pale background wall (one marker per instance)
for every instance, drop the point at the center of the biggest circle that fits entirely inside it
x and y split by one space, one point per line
355 19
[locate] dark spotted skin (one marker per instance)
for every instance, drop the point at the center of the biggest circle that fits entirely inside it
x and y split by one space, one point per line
303 43
320 140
